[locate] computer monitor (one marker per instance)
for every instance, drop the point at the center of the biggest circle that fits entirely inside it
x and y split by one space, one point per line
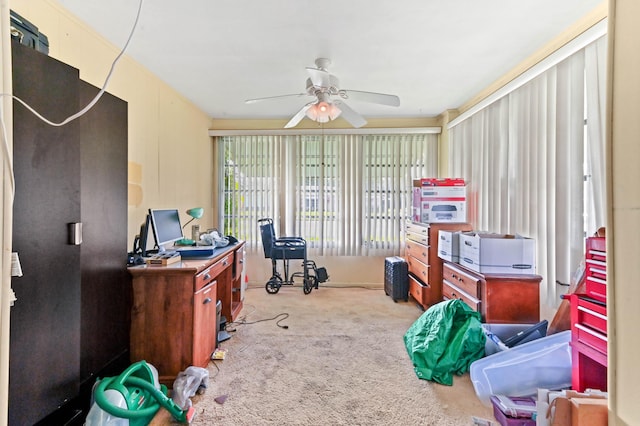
166 226
140 242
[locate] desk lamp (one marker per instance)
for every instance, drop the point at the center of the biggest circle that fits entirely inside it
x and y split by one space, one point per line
195 213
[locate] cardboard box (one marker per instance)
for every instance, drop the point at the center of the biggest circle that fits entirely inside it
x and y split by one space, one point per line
497 253
439 204
554 408
448 245
589 412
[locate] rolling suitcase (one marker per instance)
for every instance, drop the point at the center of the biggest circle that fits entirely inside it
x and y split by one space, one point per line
396 278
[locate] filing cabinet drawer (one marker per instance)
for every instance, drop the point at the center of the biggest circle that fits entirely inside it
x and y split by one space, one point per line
416 228
457 278
418 233
450 292
417 290
417 250
419 269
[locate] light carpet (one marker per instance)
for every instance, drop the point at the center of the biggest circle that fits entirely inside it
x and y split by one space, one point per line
340 361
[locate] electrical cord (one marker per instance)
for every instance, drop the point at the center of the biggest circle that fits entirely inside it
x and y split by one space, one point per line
5 146
284 316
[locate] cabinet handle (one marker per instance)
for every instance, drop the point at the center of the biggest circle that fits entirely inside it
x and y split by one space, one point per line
206 301
207 276
454 276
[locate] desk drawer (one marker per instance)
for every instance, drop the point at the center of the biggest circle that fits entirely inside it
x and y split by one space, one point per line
417 250
209 274
450 292
457 278
418 269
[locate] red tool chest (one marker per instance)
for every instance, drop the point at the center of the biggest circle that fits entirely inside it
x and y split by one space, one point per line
589 322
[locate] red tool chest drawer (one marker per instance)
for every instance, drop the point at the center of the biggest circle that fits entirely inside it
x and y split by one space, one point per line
592 315
596 268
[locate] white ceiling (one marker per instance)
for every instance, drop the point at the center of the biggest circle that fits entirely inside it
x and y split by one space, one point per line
435 55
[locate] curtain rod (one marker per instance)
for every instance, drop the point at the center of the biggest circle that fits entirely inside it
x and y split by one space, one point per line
297 132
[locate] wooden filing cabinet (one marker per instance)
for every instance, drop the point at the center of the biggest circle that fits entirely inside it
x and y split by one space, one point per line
173 318
425 267
500 298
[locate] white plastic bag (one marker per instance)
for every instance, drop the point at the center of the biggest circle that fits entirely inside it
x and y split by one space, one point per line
187 384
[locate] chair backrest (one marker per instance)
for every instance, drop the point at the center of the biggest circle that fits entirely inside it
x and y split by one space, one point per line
268 235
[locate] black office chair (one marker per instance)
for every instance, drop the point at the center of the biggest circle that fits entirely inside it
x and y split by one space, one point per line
286 249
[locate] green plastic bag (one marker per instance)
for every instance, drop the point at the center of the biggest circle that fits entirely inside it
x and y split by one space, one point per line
445 340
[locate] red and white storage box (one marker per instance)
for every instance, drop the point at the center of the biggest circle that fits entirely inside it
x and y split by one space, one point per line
439 200
490 253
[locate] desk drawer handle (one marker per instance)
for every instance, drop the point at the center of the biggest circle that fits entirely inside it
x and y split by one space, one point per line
206 301
207 276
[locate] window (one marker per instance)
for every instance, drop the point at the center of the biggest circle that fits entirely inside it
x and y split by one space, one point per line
345 194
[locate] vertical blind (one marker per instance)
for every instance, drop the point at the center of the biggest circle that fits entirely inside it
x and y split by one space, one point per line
347 195
523 157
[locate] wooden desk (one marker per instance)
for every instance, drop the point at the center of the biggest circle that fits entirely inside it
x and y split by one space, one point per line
173 319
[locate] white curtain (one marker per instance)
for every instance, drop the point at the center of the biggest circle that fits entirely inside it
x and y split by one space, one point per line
595 72
523 158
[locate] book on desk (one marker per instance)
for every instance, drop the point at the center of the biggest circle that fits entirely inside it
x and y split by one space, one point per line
164 259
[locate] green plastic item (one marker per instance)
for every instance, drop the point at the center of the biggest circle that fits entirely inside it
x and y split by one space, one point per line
142 396
445 340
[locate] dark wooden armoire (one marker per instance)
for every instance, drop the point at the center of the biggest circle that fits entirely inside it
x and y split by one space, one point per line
70 322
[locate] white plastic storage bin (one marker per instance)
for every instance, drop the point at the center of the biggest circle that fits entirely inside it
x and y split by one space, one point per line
507 336
520 371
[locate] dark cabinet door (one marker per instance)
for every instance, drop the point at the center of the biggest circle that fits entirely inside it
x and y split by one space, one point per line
106 284
45 320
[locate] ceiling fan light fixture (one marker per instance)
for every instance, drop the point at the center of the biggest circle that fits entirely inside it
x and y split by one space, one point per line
323 111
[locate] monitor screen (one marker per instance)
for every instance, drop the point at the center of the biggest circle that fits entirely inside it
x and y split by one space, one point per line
166 226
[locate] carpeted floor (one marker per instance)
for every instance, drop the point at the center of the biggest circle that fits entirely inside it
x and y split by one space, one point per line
340 361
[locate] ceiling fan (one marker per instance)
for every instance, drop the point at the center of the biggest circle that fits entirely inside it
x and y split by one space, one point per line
329 98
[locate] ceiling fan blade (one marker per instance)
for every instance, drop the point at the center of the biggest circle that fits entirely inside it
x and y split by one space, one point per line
355 119
319 78
299 116
269 98
376 98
